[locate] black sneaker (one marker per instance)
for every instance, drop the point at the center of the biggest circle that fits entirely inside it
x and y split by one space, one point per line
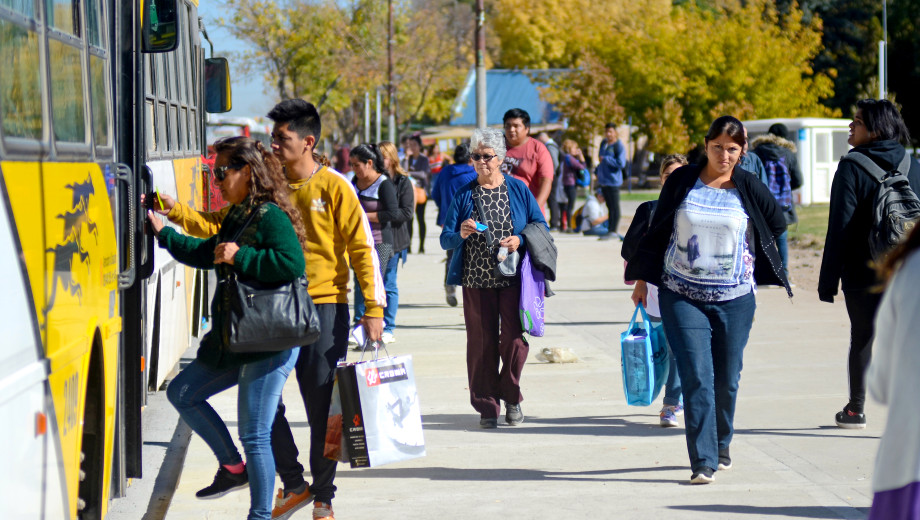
513 414
224 482
703 475
850 419
725 460
488 423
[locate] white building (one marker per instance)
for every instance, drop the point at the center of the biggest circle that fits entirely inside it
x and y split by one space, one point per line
820 143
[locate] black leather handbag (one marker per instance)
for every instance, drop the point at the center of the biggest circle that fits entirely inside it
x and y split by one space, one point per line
263 317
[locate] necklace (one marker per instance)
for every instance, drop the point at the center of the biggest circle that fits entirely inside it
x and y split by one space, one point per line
310 178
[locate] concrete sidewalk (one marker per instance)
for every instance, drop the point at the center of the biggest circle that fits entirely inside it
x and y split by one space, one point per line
581 452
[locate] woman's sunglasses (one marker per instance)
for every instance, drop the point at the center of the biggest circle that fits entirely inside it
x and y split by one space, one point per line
220 173
482 157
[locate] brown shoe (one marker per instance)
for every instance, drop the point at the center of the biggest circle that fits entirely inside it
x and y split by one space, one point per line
322 511
286 504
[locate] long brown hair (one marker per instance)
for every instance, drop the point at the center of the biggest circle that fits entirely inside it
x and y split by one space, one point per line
887 267
267 182
388 151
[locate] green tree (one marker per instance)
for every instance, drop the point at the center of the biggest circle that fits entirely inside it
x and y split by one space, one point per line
904 60
332 53
675 68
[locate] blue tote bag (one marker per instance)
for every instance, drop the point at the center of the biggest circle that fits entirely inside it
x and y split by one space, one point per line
645 359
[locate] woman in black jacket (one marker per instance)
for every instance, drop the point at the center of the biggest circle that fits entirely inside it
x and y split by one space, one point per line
878 132
710 243
401 223
377 195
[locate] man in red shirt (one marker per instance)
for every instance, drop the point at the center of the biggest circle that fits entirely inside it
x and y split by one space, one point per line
527 159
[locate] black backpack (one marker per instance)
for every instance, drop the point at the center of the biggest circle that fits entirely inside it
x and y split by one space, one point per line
896 209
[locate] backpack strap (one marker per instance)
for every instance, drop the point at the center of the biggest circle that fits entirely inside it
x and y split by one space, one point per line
875 170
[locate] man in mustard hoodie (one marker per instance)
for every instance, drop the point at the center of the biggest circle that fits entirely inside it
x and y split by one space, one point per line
337 230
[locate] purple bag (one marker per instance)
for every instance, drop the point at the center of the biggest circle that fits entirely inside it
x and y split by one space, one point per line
533 289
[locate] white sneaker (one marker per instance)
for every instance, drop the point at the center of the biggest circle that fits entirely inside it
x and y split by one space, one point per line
388 337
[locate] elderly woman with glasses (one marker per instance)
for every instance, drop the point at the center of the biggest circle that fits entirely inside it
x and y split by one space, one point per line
495 345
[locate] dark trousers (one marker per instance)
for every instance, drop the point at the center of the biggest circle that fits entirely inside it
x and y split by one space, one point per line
422 228
493 335
612 199
555 209
861 306
708 340
315 372
571 194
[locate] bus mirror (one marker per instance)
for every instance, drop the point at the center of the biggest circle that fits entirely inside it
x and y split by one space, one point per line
217 85
159 25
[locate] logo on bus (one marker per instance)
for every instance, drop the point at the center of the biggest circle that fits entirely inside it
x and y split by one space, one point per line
71 246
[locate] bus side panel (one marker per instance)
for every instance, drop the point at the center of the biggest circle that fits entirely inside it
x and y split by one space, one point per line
78 293
181 180
32 474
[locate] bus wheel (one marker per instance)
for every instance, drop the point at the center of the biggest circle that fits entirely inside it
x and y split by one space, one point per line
92 459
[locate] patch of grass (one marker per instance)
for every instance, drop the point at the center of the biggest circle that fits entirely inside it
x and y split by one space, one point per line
811 228
639 195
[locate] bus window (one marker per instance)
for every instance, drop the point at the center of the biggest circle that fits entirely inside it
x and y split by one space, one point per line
162 130
101 130
66 92
173 128
20 89
93 23
23 7
151 130
160 27
64 15
184 143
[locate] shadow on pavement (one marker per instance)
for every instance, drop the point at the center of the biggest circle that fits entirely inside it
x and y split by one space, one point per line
598 426
803 432
796 511
510 474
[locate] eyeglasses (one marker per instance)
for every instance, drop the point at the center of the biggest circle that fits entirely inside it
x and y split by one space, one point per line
482 157
220 173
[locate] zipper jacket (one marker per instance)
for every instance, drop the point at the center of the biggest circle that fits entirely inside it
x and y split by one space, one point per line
762 210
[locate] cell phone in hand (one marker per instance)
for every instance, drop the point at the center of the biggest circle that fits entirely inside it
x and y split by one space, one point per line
481 227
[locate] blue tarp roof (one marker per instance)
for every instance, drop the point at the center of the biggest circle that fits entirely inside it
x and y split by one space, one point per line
505 89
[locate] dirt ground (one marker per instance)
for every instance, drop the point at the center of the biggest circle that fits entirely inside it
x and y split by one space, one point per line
805 264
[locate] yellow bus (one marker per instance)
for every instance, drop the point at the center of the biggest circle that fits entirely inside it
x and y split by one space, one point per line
100 101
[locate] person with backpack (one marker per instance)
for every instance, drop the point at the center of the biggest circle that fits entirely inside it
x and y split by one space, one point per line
782 175
553 203
878 134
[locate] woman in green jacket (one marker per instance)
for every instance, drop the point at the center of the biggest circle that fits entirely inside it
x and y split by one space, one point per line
270 250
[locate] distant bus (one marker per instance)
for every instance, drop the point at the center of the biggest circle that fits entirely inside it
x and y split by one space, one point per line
219 126
100 101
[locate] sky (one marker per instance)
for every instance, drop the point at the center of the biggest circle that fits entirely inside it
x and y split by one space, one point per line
249 93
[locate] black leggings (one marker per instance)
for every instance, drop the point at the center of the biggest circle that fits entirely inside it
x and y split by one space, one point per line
861 306
570 193
420 220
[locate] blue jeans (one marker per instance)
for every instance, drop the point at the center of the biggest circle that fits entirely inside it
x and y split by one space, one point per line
389 285
598 230
260 385
783 251
708 340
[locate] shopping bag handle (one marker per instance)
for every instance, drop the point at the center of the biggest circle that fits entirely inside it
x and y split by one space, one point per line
376 345
640 311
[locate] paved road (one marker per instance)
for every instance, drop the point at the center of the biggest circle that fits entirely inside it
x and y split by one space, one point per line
581 452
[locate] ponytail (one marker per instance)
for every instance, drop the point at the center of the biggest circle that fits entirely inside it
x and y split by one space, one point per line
369 152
